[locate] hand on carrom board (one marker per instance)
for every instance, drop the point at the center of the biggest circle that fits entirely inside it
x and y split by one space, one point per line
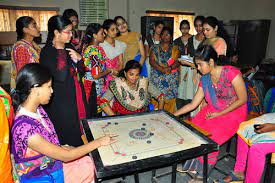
107 139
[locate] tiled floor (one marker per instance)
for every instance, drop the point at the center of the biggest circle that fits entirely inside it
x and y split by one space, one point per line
146 177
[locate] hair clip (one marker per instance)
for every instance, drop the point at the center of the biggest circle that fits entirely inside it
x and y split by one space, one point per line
13 91
35 85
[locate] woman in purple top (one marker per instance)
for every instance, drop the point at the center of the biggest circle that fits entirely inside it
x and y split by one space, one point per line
35 146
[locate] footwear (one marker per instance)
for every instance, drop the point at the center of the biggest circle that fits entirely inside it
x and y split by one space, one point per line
187 166
180 168
196 180
234 179
183 171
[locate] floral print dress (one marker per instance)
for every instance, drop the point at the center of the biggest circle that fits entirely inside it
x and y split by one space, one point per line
166 83
30 164
95 61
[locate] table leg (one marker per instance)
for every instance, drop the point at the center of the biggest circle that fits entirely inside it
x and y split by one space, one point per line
136 178
174 173
205 166
154 173
123 179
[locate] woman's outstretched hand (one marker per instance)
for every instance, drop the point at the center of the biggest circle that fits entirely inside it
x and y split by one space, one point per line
107 139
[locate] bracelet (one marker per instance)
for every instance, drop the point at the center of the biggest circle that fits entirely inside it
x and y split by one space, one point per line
103 105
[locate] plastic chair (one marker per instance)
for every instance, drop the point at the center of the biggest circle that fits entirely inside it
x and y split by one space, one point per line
269 169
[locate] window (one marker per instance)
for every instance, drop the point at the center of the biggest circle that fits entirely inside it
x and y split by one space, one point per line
9 15
93 11
178 17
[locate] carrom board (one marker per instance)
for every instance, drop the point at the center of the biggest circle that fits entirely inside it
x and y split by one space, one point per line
142 137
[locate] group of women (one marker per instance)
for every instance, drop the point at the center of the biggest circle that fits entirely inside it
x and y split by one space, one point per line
105 70
71 85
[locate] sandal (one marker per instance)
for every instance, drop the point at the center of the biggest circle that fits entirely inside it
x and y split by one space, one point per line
233 177
196 180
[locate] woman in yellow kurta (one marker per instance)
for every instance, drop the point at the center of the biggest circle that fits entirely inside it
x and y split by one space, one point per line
135 49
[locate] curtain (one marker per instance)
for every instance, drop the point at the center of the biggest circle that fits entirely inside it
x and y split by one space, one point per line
177 20
8 18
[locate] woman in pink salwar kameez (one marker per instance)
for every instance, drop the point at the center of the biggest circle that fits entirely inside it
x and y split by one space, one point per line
225 93
114 50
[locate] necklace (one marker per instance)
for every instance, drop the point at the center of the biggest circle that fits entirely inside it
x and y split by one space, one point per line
215 78
132 86
199 37
164 48
27 42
